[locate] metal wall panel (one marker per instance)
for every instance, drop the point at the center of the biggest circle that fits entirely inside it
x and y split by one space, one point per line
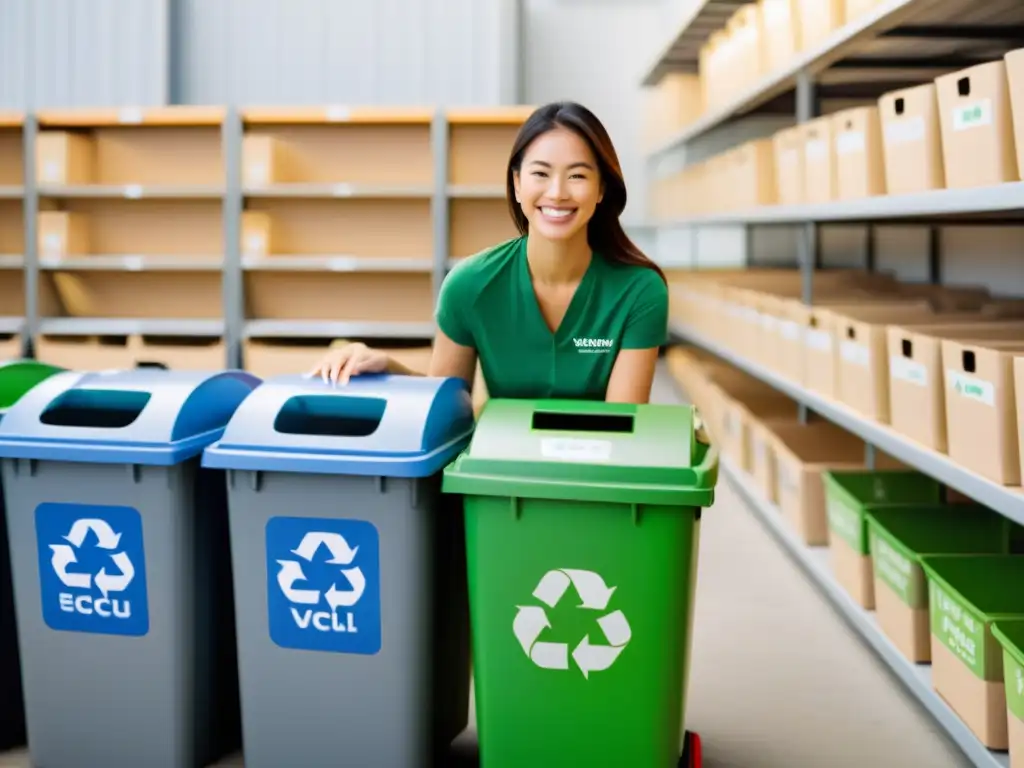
385 52
83 52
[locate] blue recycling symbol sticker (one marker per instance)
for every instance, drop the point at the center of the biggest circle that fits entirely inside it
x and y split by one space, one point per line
323 584
92 569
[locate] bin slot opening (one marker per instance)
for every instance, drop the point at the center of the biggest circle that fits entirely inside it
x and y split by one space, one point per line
582 422
330 416
95 408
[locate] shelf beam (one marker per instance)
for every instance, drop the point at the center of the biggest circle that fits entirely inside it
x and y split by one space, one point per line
1007 501
815 563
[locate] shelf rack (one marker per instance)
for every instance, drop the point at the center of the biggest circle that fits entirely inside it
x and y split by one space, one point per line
12 243
209 235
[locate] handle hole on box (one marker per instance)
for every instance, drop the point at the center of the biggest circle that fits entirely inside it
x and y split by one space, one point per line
901 106
851 333
908 348
970 363
813 322
849 125
963 86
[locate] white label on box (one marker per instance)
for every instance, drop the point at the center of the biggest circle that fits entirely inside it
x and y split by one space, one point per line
784 477
816 149
257 173
854 353
338 113
904 131
850 142
129 115
818 340
342 190
910 371
255 244
133 191
53 244
971 387
769 323
51 171
976 115
789 330
575 449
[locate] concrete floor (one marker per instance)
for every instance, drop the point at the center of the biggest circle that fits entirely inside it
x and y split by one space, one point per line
777 679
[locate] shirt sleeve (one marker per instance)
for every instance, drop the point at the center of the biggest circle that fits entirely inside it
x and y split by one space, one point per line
647 322
453 305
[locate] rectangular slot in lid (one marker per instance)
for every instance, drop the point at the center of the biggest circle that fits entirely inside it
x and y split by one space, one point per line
582 422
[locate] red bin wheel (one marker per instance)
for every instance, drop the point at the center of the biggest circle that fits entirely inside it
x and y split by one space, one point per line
692 757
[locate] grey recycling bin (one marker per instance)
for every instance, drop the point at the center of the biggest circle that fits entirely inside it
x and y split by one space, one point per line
121 566
350 578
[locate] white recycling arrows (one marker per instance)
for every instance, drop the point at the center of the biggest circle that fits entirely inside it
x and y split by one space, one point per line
106 538
531 621
341 554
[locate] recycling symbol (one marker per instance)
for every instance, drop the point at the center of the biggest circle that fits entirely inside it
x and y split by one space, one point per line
531 621
116 580
341 555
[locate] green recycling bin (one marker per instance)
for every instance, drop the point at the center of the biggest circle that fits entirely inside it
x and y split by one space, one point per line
582 528
16 378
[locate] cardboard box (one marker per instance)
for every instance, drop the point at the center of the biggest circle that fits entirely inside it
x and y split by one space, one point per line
673 104
753 175
854 9
819 161
981 409
916 378
741 412
789 165
62 233
86 353
257 240
977 126
10 346
63 157
263 161
179 353
860 165
819 19
912 140
781 24
1015 77
746 34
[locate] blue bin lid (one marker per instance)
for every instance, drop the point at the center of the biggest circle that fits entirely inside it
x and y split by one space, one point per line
381 425
136 416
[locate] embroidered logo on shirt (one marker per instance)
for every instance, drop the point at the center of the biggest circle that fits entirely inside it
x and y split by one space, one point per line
594 346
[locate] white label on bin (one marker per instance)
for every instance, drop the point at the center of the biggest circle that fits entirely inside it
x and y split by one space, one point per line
92 569
904 131
975 115
971 387
598 649
325 584
855 354
850 142
910 371
820 341
576 449
816 149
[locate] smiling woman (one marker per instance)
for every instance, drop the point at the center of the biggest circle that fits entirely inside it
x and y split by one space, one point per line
571 308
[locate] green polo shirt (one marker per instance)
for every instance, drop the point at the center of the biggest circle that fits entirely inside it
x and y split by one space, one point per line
487 302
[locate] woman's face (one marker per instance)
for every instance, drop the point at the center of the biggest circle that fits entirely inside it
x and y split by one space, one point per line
558 185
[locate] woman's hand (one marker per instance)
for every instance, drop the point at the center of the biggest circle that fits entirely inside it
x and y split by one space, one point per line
340 364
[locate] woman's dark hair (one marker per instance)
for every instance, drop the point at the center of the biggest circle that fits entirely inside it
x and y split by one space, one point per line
604 232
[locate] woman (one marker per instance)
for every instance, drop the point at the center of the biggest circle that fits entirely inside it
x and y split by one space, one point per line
571 308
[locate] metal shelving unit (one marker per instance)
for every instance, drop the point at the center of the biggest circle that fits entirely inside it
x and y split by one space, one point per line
815 562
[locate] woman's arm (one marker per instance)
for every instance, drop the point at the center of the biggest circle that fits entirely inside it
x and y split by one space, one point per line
632 376
451 359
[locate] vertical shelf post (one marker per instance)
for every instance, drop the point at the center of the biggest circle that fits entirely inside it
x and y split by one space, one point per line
439 203
807 243
231 274
30 217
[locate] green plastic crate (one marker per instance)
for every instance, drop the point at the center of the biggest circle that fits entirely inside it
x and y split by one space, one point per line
850 494
582 527
900 536
966 594
1010 635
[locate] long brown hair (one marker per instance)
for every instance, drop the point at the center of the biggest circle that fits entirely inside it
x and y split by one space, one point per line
604 232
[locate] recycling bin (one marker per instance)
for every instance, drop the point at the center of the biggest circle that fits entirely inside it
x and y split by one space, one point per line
121 566
16 378
582 532
349 569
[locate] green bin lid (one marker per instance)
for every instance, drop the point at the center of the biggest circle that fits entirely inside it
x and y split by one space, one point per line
19 376
586 451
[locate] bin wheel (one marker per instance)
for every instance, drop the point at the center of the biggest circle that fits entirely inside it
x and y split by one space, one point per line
692 757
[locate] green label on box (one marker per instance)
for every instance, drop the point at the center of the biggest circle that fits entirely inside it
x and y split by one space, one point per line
847 524
896 570
1014 685
958 629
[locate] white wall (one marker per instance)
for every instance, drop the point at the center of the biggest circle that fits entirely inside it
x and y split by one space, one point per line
594 52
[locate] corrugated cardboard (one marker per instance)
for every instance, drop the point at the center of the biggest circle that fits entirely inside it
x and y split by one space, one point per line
860 166
1015 77
781 19
912 140
789 164
62 233
63 157
819 161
